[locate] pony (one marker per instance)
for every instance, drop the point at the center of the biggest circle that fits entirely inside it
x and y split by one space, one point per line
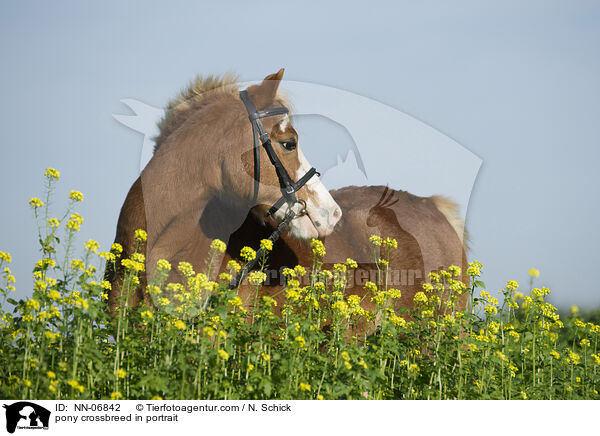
429 231
203 158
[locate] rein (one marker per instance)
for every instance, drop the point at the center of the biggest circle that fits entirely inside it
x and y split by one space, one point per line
287 185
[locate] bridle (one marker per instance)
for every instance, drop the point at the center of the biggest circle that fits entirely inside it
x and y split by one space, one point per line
261 137
287 185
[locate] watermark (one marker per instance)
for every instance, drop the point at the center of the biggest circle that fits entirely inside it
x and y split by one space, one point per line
369 155
25 415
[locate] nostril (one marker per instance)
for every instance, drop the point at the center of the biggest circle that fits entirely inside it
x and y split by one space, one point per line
337 213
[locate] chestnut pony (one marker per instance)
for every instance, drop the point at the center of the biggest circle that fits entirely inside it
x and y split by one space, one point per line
429 232
199 184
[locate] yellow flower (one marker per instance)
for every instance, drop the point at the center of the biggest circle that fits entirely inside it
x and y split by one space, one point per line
265 356
390 243
256 277
305 387
75 385
455 270
53 222
574 310
299 270
317 247
250 367
147 315
379 297
341 307
33 304
5 257
156 397
523 395
268 301
490 310
300 341
140 235
375 240
75 221
76 196
35 202
398 321
339 267
573 358
77 264
248 254
223 354
81 303
218 245
370 287
116 395
133 265
163 265
121 373
474 269
501 356
51 335
512 285
420 297
266 244
51 173
117 248
413 369
186 269
225 277
534 272
351 263
179 324
92 245
51 375
233 266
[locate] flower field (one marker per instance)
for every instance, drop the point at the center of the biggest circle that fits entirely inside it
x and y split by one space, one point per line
201 342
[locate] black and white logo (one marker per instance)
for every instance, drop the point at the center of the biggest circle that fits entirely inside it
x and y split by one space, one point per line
26 415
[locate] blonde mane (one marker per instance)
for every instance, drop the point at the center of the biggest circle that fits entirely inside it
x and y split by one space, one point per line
190 98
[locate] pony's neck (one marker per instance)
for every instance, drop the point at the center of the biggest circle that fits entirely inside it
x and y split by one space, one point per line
174 199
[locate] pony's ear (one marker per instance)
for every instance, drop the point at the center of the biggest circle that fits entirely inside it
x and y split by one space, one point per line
264 93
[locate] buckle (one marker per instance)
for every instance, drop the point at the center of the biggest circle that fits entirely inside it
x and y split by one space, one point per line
303 210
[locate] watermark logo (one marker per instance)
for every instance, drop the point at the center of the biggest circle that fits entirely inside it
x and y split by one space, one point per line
25 415
391 174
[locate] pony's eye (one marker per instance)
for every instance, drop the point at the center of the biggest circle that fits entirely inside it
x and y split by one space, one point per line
290 144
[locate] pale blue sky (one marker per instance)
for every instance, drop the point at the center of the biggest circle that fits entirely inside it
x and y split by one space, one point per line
514 83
